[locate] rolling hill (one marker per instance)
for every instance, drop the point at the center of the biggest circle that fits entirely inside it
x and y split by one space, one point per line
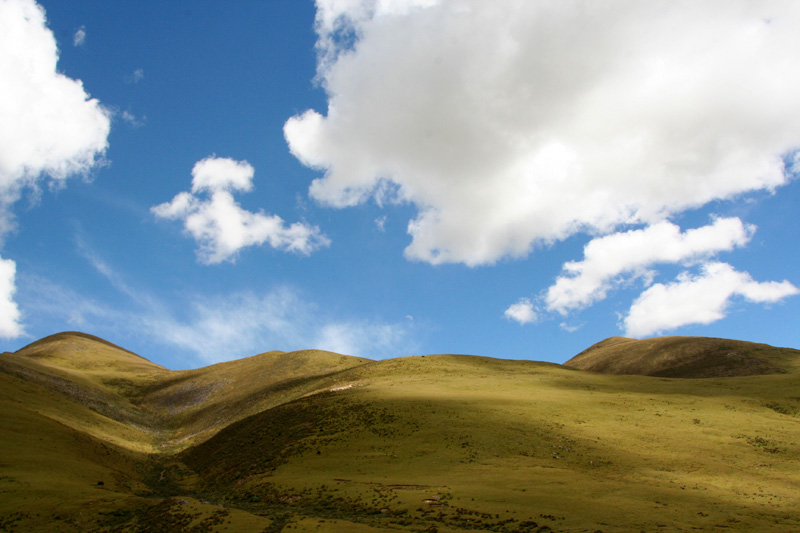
684 357
622 437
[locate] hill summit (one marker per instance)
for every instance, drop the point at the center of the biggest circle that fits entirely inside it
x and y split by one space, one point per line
684 357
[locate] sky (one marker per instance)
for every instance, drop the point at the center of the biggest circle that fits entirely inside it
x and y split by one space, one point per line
203 181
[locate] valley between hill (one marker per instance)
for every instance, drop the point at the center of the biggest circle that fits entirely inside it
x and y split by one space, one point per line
670 434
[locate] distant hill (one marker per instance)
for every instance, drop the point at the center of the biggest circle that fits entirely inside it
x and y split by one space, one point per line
75 350
96 438
684 357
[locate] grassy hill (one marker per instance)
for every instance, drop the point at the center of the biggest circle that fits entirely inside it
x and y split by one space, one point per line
684 357
95 438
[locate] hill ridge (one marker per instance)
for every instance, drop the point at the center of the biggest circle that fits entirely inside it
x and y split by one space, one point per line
684 357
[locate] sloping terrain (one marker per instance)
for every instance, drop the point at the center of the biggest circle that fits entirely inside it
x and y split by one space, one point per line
684 357
315 441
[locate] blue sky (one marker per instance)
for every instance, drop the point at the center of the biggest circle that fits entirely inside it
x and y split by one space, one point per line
389 178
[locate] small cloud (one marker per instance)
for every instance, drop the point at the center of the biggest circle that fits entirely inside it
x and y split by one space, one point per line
701 299
132 120
79 37
570 328
10 326
613 259
380 223
522 312
300 203
135 77
219 224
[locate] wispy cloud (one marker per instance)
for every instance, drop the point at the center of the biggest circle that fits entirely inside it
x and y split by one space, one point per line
95 259
79 37
366 338
132 120
219 224
204 328
135 77
42 298
223 327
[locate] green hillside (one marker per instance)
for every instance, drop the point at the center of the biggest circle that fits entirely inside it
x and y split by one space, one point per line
95 438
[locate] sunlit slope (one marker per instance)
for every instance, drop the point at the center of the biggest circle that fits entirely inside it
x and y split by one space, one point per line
133 402
458 442
685 357
92 386
84 424
90 354
62 456
56 478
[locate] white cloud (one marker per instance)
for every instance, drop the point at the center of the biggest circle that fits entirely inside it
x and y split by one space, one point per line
220 225
43 298
50 128
522 311
699 299
222 174
135 77
630 253
236 325
570 328
213 328
224 327
79 38
365 339
10 316
132 120
511 124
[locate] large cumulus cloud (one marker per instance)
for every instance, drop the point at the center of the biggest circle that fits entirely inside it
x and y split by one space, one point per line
515 123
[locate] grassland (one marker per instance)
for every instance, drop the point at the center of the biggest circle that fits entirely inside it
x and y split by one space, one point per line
95 438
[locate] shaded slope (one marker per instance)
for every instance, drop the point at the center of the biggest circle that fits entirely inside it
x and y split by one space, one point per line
200 402
460 443
685 357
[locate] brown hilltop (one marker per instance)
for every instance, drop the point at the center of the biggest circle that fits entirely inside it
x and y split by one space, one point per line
684 357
